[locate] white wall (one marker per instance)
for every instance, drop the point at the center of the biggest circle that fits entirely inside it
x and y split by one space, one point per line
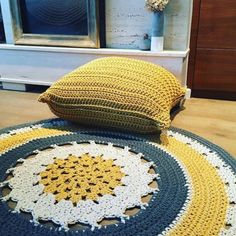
128 20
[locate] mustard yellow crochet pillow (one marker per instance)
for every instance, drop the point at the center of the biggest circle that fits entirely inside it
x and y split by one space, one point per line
116 92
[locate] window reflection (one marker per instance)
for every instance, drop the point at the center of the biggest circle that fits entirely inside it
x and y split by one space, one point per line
54 17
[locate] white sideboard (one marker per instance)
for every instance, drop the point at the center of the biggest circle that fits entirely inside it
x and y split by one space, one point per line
45 65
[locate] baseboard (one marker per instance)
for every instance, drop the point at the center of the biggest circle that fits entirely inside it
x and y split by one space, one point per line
231 96
188 93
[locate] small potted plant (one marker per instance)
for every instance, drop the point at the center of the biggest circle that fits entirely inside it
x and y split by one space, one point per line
157 7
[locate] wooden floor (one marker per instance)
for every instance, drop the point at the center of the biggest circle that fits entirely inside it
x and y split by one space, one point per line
214 120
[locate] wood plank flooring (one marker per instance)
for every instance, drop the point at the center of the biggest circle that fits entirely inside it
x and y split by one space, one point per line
214 120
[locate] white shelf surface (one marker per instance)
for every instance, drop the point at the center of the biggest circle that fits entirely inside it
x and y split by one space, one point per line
99 51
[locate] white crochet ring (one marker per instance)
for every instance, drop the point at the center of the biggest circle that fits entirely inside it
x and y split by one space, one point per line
30 196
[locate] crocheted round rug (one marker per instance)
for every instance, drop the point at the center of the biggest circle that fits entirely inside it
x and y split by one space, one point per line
60 179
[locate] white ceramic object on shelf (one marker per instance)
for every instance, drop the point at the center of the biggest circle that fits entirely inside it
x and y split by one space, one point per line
157 44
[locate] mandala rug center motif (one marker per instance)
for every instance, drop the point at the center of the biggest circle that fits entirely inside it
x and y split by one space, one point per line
81 178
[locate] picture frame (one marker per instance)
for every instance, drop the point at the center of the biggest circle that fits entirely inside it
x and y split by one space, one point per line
92 40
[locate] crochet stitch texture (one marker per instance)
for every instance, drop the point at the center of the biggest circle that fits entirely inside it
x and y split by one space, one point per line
195 194
116 92
83 177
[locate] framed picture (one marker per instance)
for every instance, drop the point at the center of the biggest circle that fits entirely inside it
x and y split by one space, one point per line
2 33
70 23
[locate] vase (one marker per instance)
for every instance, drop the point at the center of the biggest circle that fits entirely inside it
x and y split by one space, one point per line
157 40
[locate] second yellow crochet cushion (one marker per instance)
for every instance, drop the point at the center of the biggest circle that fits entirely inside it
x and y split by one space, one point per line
116 92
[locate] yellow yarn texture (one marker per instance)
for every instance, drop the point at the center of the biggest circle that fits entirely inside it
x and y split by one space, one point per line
116 92
81 178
